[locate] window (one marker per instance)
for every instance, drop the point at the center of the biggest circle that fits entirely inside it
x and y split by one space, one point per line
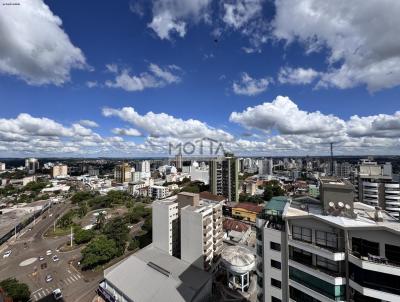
273 299
275 264
303 234
327 264
276 283
275 246
364 247
392 253
326 239
301 256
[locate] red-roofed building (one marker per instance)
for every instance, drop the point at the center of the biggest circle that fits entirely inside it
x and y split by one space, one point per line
212 197
234 225
246 211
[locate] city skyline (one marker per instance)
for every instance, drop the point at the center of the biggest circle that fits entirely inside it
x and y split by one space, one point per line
132 77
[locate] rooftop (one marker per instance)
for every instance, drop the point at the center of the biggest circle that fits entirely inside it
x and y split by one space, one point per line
153 275
210 196
249 207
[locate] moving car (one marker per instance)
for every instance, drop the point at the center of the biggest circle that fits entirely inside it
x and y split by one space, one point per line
7 254
55 258
49 278
41 258
48 252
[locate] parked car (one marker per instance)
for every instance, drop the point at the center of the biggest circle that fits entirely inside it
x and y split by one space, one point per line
7 254
41 258
57 294
49 278
55 258
48 252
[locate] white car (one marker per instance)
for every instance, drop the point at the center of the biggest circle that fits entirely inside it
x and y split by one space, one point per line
57 294
55 258
49 278
41 258
7 254
48 253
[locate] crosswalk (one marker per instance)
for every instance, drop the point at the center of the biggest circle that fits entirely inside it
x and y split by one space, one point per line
69 279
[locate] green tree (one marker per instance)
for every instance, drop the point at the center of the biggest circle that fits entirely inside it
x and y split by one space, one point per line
100 221
18 291
66 220
118 231
268 194
99 251
133 244
83 236
81 196
82 210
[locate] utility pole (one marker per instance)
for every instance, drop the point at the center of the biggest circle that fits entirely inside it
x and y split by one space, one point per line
15 232
54 226
332 174
71 236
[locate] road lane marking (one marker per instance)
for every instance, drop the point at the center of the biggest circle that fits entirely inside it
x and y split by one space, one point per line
75 279
79 276
44 293
47 291
37 290
38 293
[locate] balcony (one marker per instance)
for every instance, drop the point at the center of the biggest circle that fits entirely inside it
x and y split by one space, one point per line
310 247
375 263
207 230
207 238
316 287
374 293
207 246
331 277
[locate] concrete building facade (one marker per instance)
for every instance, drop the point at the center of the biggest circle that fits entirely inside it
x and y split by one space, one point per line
224 178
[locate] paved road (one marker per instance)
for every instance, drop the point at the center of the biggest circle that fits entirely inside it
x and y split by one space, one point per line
24 264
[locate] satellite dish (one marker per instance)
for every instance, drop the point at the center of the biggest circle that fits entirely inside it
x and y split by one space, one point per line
331 204
347 206
341 204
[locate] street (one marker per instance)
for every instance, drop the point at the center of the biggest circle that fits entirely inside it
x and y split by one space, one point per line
24 264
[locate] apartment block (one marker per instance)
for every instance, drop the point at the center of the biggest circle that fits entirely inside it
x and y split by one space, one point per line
224 177
158 192
308 251
123 173
59 171
188 227
374 185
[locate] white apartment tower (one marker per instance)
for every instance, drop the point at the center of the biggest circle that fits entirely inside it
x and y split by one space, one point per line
342 251
188 227
31 165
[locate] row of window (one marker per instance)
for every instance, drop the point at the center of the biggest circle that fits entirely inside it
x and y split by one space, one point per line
322 238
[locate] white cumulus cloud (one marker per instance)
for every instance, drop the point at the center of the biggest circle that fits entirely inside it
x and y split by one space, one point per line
155 77
126 132
361 37
297 75
34 46
164 125
250 86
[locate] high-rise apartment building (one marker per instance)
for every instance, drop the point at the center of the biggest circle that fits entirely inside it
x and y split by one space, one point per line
2 166
224 177
265 166
123 173
188 227
145 166
31 165
178 161
374 185
339 251
59 170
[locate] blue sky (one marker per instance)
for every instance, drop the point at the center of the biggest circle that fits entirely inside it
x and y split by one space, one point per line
264 77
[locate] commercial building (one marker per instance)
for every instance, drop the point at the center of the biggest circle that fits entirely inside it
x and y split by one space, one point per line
123 173
59 171
339 251
224 177
31 165
153 275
